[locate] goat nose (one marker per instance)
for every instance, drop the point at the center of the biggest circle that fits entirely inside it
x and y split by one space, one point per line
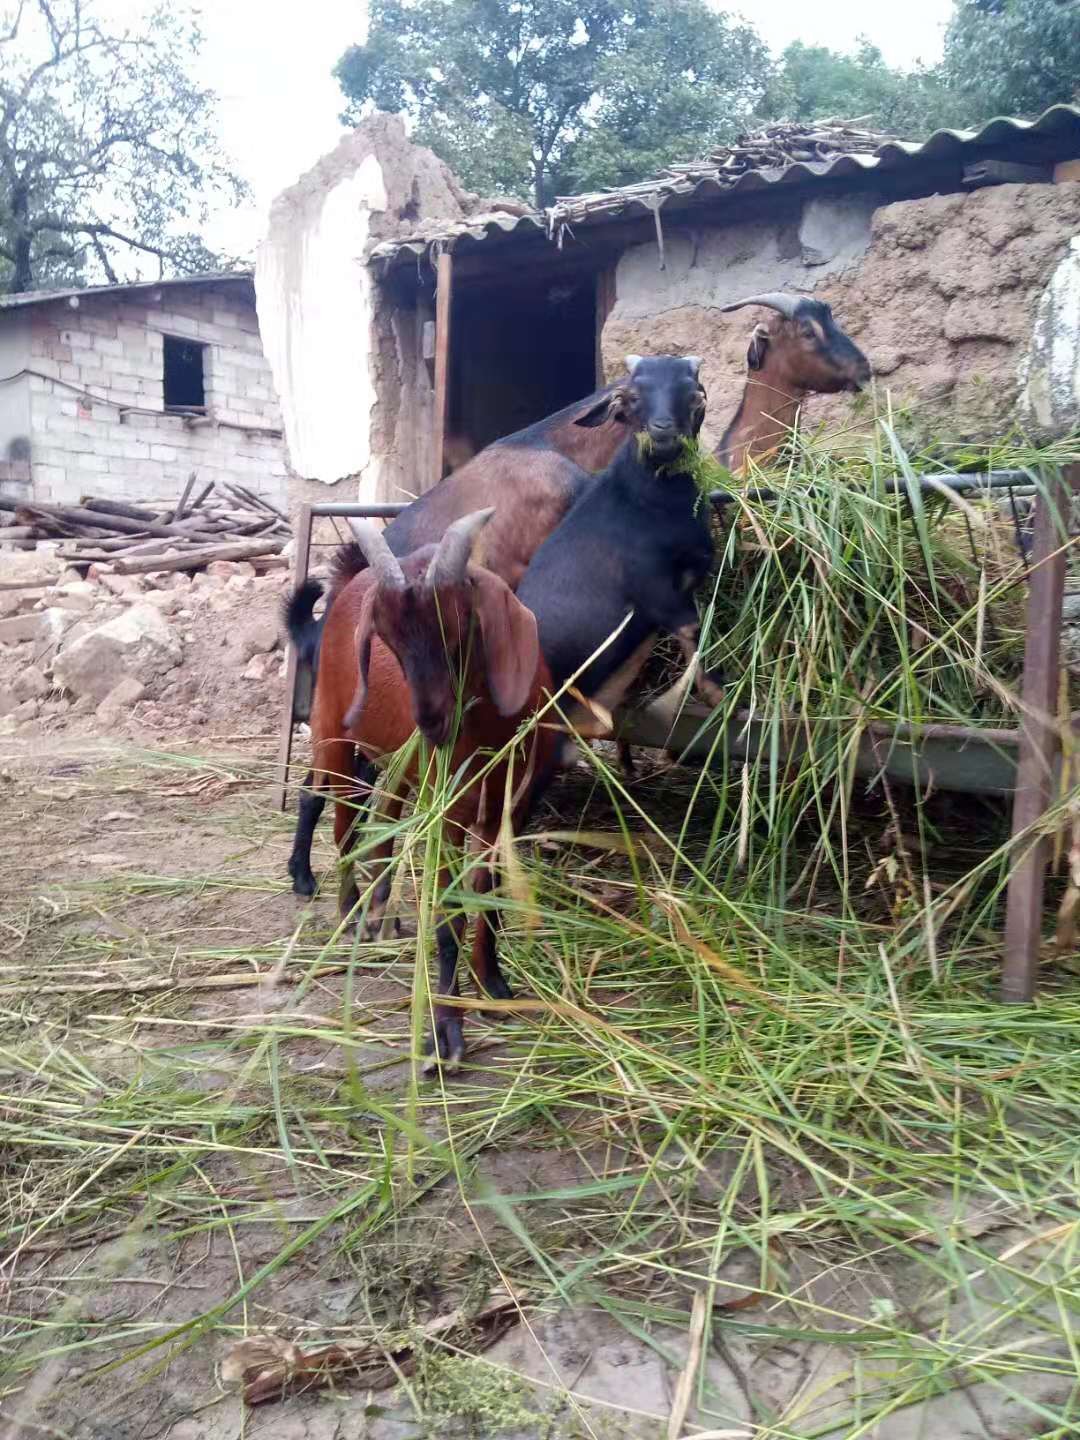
661 427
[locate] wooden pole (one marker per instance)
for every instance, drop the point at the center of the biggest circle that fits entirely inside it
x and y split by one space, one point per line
1040 742
301 560
444 285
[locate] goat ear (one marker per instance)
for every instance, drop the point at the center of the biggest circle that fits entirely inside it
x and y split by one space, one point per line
607 406
511 644
759 347
365 629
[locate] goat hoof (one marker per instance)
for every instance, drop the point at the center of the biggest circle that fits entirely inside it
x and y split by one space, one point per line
303 881
497 988
447 1049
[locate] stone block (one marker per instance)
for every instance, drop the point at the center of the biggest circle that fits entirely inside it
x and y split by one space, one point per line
137 645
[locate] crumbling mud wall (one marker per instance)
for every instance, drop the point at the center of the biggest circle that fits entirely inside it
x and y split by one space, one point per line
355 392
968 306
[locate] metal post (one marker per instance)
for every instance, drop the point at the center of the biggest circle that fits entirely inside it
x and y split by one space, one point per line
301 559
1040 742
293 673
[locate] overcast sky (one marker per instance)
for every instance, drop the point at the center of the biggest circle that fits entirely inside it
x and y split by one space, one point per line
271 62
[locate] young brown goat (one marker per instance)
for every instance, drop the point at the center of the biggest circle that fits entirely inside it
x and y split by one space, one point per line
411 644
805 353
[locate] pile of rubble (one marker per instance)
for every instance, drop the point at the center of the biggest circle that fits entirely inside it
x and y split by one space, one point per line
150 652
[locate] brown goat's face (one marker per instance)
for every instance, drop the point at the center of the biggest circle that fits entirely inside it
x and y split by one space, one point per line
810 352
427 630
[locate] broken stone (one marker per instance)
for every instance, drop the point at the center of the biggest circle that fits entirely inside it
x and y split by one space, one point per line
75 604
259 667
205 582
41 627
31 684
122 697
221 569
9 701
31 567
28 710
260 637
14 602
122 585
138 643
167 601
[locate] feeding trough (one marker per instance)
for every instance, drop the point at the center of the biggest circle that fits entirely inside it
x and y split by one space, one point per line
1022 763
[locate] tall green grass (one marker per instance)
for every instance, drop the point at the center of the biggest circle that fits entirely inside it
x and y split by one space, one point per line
755 1055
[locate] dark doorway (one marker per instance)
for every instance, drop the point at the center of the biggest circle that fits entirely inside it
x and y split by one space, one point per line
520 350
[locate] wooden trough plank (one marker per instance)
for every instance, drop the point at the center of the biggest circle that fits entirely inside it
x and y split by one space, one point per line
1040 743
951 757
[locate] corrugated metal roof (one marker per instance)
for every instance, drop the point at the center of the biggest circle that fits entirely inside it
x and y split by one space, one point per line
42 297
700 184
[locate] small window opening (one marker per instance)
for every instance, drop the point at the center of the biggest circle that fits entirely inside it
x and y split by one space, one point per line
185 388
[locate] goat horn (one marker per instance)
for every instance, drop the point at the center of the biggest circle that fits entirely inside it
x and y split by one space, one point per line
774 299
450 559
378 554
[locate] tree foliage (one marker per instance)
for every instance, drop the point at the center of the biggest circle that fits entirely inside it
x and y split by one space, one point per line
541 97
108 153
814 83
538 96
1012 57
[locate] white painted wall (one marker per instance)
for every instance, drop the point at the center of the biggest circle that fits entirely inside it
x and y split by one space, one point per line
1050 370
315 300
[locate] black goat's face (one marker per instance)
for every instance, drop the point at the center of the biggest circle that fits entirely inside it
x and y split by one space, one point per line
823 359
667 398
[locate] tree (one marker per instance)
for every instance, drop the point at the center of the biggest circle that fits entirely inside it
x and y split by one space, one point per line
814 83
534 96
107 145
1012 57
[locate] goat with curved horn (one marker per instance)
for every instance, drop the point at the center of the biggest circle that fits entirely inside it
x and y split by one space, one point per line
450 560
378 554
773 299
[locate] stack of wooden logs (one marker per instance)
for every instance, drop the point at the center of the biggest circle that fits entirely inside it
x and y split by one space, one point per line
784 144
224 521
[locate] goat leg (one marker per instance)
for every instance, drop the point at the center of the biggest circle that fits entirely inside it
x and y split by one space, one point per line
447 1047
708 683
387 808
349 813
311 806
484 960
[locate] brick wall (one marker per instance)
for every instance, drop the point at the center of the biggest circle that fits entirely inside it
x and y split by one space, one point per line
89 362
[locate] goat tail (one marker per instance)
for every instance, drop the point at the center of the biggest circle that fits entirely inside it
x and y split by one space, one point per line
304 630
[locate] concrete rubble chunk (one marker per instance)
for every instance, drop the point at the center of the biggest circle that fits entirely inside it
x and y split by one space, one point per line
120 698
40 627
122 585
259 637
31 684
31 567
137 644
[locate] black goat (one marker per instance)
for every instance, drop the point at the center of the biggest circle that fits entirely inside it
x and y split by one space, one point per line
636 544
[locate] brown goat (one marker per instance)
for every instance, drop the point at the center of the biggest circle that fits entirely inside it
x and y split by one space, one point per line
804 353
412 644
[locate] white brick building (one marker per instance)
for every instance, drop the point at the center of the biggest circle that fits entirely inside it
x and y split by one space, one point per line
124 390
